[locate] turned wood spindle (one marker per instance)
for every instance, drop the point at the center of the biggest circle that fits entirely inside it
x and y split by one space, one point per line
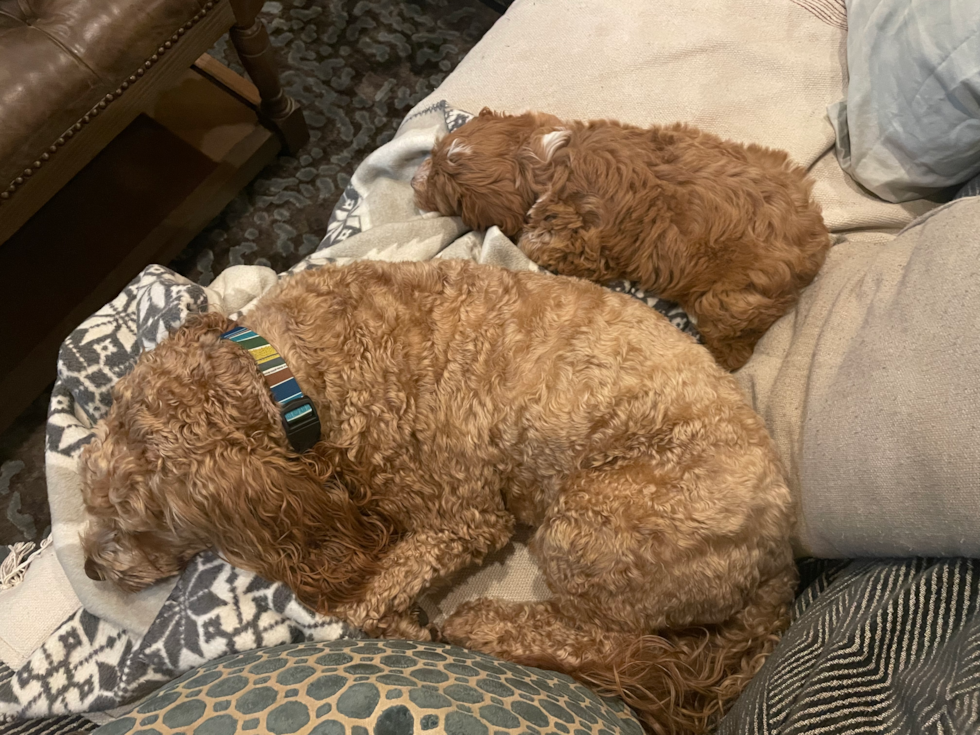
251 40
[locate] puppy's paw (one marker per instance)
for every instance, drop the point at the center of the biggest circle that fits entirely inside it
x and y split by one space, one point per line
456 628
533 242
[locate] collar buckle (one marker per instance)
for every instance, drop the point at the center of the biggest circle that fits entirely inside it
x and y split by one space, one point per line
302 425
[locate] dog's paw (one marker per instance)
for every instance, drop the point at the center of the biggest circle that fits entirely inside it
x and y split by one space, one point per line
479 625
404 627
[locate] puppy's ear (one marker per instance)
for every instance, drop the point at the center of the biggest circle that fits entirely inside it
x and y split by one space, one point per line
487 112
439 192
537 157
501 206
287 519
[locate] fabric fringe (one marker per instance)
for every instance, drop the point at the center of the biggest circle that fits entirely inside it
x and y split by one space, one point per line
18 560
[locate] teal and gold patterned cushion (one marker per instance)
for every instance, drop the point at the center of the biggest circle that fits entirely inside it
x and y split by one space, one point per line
356 687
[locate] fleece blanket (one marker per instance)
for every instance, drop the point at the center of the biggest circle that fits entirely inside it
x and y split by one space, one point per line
115 647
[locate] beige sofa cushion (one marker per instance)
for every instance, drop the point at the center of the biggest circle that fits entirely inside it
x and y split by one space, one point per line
871 390
761 71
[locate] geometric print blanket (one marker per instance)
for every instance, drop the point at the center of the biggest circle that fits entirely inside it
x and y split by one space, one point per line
90 665
105 656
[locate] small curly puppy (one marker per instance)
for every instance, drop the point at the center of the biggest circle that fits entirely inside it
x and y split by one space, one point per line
728 231
457 400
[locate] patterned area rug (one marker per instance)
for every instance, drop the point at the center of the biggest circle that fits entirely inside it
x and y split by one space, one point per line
356 67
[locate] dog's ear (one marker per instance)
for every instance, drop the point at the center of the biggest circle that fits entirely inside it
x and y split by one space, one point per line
487 112
202 323
504 206
287 519
537 157
114 481
264 508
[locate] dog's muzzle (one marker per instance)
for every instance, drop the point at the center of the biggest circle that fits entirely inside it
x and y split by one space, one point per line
92 571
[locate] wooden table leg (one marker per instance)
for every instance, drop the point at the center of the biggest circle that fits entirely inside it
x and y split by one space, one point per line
251 40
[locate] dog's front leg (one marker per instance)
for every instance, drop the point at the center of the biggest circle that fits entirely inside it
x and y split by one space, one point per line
416 561
403 626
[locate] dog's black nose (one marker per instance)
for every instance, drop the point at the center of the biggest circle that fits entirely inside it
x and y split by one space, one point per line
92 571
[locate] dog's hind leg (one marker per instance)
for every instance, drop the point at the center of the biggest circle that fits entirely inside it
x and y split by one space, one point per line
668 589
678 682
619 548
731 321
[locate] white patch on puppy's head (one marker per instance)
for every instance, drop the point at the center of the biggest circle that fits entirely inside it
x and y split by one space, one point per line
457 147
551 142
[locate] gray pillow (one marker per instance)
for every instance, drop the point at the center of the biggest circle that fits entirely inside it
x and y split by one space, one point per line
877 648
910 125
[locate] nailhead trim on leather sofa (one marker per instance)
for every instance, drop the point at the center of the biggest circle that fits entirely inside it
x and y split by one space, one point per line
102 104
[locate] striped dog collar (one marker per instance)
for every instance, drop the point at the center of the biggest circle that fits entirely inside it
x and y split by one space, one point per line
299 417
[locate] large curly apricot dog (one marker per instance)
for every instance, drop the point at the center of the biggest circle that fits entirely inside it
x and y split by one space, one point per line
727 230
456 401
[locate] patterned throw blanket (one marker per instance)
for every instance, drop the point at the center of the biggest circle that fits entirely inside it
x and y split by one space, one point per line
117 648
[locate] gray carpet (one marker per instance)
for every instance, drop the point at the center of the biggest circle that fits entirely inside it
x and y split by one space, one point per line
356 67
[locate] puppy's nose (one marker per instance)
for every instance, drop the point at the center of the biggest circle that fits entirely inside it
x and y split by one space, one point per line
92 570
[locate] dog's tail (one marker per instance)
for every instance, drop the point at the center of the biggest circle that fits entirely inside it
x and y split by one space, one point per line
683 681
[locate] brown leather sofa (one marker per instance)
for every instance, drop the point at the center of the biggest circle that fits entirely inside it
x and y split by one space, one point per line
89 117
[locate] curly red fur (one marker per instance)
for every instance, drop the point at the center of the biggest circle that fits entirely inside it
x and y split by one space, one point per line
729 231
191 456
456 401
